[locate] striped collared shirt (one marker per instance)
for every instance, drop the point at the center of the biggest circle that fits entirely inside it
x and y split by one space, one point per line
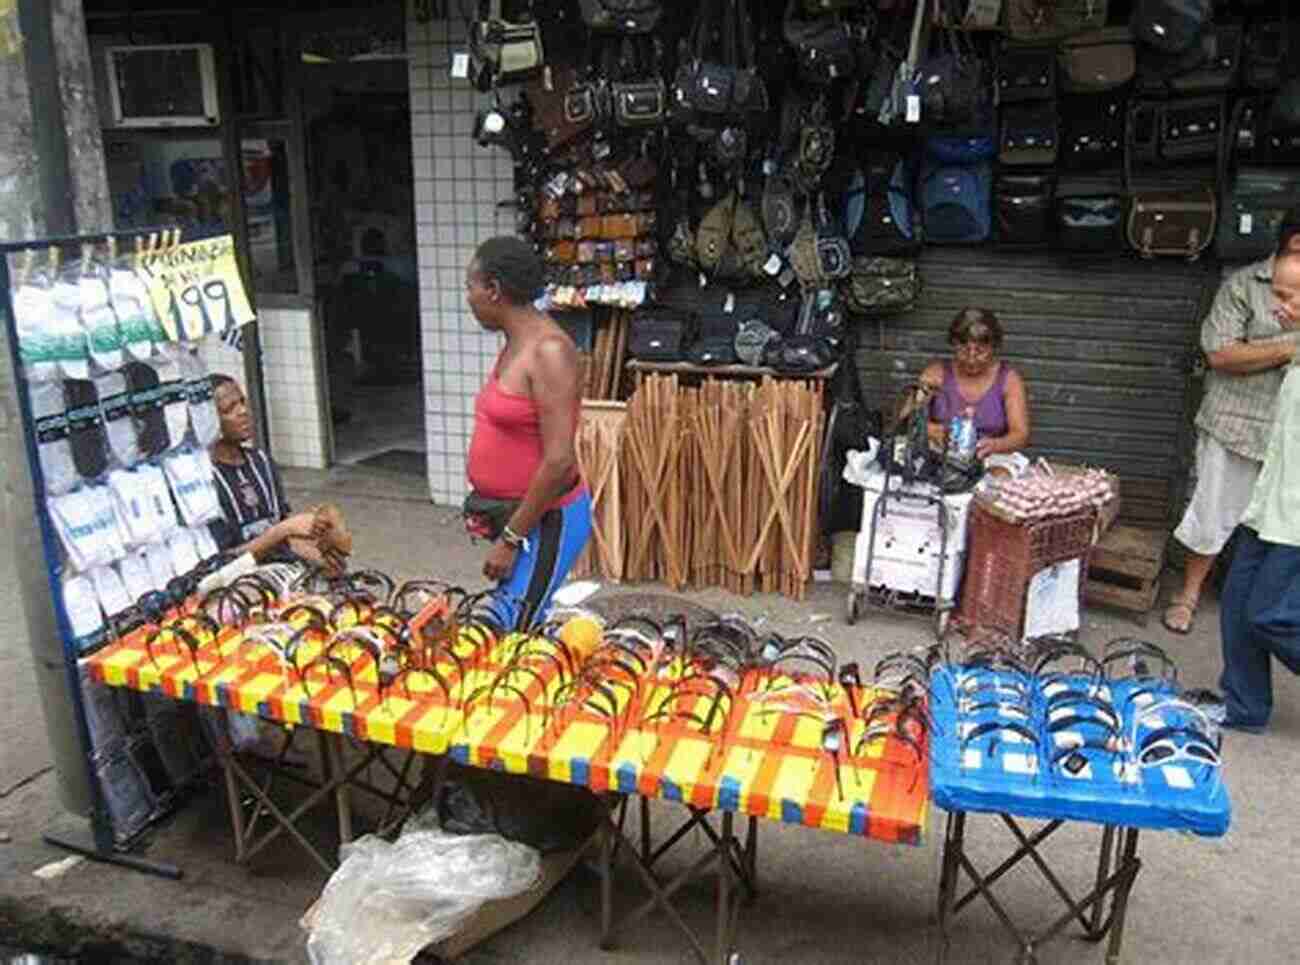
1237 410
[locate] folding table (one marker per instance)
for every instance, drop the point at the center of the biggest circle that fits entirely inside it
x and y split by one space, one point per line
759 763
1011 784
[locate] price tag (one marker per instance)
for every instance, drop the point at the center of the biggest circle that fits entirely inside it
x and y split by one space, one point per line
729 306
460 65
196 288
773 265
913 109
1247 224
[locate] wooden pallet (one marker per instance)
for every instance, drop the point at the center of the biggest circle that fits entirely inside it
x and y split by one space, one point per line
1124 569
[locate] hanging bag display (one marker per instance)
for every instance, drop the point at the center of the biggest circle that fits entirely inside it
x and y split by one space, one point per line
1099 60
1030 134
717 81
1048 21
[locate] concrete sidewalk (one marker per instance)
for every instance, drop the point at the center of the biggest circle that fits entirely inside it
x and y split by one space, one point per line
824 898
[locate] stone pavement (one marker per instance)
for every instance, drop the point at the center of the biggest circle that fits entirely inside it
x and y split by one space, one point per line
824 898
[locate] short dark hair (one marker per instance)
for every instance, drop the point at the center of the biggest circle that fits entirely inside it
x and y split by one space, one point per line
218 379
513 264
1288 229
975 325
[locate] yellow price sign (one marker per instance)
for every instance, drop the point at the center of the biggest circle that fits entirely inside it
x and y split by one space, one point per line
196 289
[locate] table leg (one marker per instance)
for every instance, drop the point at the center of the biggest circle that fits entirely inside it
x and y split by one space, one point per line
606 887
723 925
751 858
1097 927
953 842
645 828
330 745
1120 908
236 809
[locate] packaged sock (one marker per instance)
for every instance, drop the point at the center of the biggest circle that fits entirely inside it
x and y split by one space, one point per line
85 428
97 318
203 407
81 606
136 318
185 556
50 415
159 560
134 570
175 401
189 471
203 542
49 335
146 408
110 590
65 328
119 427
144 503
88 526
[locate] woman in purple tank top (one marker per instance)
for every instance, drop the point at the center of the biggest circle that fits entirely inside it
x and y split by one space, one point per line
978 379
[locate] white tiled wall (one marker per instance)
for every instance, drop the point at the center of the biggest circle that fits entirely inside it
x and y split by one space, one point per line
294 394
457 187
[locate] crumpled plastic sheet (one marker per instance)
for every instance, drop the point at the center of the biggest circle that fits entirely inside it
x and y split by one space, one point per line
387 901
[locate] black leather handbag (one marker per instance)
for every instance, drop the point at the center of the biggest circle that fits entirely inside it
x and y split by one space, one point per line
1026 74
824 47
1252 210
800 354
718 80
1031 134
713 350
659 338
1023 208
1090 222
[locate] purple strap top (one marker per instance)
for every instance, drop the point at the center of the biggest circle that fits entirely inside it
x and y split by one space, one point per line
990 411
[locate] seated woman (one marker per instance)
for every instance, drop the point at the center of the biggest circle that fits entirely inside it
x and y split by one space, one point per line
979 380
256 517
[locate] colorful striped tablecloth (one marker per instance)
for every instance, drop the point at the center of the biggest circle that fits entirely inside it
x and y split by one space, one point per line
763 763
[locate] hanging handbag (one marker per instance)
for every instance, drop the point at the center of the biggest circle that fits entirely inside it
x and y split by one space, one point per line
1171 26
1253 209
882 286
889 224
1030 134
1209 65
955 89
780 212
1192 129
1099 60
967 14
833 255
504 52
956 202
815 151
1179 222
622 16
1023 208
1090 222
713 350
653 337
1026 74
1094 130
823 46
1049 21
715 82
800 354
1266 49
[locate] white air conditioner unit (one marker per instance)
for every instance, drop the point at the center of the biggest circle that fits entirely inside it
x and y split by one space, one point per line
163 85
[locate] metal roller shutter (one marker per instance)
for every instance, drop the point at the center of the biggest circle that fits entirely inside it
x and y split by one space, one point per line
1106 347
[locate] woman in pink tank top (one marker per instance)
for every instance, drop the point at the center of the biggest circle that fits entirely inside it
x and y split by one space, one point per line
521 455
977 379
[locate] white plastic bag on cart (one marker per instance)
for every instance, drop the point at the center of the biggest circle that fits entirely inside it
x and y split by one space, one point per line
387 901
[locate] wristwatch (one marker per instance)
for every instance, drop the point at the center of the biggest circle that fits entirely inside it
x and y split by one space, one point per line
513 539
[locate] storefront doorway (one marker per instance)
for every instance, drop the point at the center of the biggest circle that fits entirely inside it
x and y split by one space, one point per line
357 124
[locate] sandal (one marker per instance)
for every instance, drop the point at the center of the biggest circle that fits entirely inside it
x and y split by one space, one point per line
1175 623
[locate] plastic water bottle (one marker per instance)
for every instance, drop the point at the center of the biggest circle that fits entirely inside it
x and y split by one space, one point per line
961 436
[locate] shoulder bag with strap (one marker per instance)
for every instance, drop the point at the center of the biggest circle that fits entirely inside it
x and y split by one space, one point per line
1177 222
1022 208
1098 60
882 286
637 94
716 84
889 224
505 52
622 16
823 45
1031 134
956 92
1025 74
1048 21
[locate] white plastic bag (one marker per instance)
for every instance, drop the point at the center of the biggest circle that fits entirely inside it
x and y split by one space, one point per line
387 901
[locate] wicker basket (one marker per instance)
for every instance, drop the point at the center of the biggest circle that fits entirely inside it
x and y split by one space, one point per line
1003 557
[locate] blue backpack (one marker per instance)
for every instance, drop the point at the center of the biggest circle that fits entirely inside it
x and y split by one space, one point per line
956 202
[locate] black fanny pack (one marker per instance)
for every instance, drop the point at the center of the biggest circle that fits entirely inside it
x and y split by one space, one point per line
485 517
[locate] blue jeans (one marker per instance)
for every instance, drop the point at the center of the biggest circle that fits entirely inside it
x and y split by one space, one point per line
521 600
1259 617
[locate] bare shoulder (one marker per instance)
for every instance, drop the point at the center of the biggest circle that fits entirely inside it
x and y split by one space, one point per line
555 349
1014 378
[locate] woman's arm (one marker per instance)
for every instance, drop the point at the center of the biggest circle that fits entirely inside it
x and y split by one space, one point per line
1015 401
554 384
932 376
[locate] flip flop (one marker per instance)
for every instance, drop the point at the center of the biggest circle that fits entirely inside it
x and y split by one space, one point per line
1177 606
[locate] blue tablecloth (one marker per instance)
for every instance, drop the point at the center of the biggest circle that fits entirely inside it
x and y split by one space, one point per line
1010 778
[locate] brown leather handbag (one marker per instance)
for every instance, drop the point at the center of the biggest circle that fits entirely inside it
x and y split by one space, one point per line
1178 223
557 126
616 226
590 227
